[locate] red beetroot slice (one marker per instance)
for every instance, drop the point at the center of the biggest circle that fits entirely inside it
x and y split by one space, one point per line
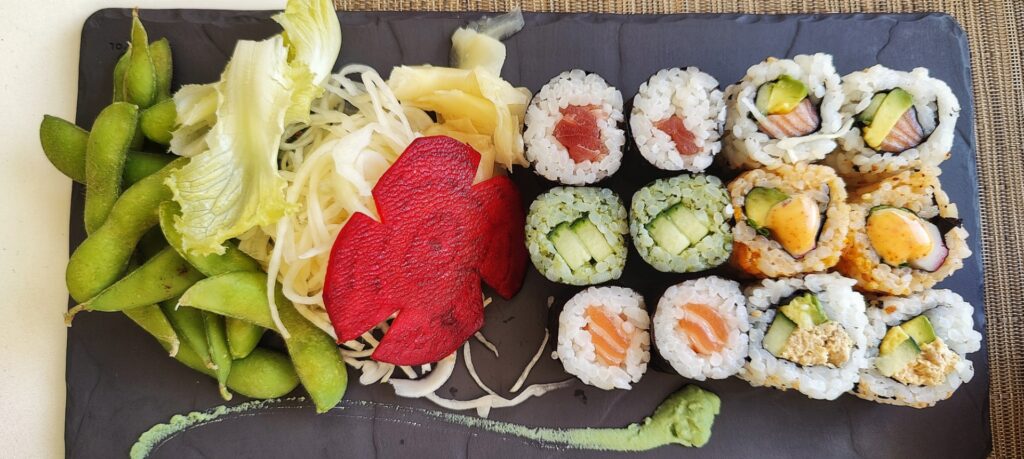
438 237
578 132
682 137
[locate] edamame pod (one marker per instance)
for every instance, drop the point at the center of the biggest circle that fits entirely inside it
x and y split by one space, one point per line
243 295
160 53
164 276
119 69
64 145
242 336
99 261
188 324
140 76
231 260
105 152
219 353
153 320
158 122
263 374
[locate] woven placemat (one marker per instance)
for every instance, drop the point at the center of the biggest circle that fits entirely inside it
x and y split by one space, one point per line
994 33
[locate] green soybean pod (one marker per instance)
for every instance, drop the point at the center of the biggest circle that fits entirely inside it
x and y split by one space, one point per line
152 319
219 353
140 76
64 145
263 374
164 276
243 295
158 121
160 53
242 336
119 70
105 152
99 261
188 324
141 164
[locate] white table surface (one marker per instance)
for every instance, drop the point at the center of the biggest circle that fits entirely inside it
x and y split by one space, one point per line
39 42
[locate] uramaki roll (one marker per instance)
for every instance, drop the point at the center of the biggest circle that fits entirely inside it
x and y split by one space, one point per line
905 236
789 220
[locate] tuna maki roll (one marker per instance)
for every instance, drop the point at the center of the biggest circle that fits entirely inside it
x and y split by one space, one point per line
806 334
905 235
677 119
603 337
904 120
575 235
783 111
681 224
700 328
789 220
918 346
572 129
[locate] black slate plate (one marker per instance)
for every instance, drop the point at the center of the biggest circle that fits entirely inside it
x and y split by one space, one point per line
120 382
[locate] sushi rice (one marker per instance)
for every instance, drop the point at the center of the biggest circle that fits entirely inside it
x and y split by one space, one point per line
568 204
726 299
549 157
951 318
840 302
746 146
706 198
576 346
694 97
917 191
937 111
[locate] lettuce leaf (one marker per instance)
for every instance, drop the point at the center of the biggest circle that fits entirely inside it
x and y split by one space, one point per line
232 128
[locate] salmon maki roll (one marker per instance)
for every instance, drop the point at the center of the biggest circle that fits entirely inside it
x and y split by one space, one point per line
700 328
677 119
784 111
903 121
573 134
603 337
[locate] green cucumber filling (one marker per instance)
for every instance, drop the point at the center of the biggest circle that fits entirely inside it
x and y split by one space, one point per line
678 228
802 333
912 354
580 242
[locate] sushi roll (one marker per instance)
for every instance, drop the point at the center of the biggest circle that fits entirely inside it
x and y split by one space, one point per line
789 220
904 120
918 346
677 119
681 224
603 337
573 132
575 235
806 334
700 328
783 111
904 235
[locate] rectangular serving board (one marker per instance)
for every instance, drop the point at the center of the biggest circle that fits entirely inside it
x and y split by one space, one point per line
120 382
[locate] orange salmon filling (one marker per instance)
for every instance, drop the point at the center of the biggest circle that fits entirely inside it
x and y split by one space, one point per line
704 327
898 236
610 338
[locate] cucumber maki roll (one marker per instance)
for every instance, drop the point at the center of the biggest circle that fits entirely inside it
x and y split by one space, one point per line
700 328
575 235
789 220
918 346
603 337
572 129
807 334
681 224
905 235
904 120
783 111
677 119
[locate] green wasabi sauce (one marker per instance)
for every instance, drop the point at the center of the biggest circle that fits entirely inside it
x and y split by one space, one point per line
684 418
